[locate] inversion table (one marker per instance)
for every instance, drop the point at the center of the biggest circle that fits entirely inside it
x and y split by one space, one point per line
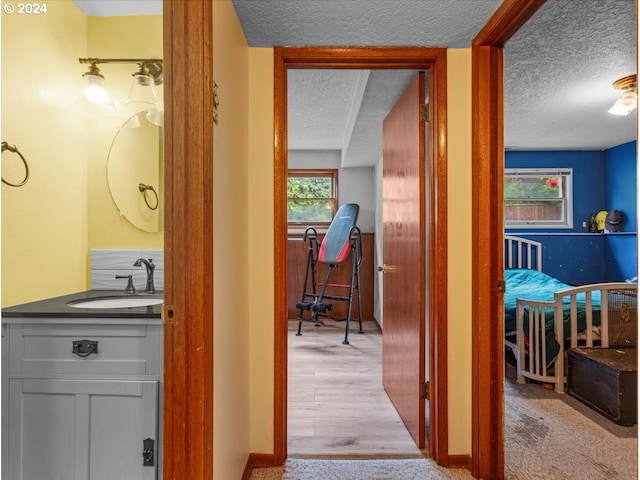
342 237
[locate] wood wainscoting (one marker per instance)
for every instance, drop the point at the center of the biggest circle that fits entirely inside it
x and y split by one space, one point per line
297 265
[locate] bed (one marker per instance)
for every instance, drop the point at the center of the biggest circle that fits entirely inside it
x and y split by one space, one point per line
544 316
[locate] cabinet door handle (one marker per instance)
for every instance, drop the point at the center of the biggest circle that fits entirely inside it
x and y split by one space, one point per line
148 455
84 348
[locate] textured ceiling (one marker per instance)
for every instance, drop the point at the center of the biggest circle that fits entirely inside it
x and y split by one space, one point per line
450 23
559 66
383 90
337 97
342 110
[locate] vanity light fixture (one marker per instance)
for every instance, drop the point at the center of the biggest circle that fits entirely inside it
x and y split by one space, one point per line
143 93
628 101
156 116
95 91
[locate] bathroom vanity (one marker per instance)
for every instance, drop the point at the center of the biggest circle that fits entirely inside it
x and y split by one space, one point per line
82 391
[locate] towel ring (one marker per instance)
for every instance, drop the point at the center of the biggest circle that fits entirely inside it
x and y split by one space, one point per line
14 149
144 188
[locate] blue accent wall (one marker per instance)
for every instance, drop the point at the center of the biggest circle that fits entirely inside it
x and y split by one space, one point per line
621 186
602 180
621 194
588 179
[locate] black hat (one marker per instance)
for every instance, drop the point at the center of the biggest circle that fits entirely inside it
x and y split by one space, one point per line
614 221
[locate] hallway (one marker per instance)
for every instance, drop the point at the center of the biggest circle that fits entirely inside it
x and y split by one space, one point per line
337 406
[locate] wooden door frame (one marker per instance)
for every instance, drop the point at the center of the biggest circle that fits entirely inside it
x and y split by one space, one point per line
487 51
188 422
188 240
434 59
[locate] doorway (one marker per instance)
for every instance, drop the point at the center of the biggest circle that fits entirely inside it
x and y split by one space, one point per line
487 436
337 403
488 151
369 58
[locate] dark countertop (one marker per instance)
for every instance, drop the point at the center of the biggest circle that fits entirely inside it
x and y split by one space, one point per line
57 308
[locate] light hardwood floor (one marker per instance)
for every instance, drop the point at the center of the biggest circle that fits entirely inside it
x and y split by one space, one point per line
337 407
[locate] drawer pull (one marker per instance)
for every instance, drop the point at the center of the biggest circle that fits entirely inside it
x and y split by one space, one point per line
84 348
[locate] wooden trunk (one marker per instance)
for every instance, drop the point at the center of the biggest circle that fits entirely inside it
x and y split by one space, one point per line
606 379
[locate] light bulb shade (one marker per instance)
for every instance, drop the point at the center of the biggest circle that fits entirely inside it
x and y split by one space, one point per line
618 109
95 91
156 116
142 94
132 122
629 100
626 104
93 99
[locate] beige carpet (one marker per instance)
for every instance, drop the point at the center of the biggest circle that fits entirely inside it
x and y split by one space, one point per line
299 469
551 436
547 436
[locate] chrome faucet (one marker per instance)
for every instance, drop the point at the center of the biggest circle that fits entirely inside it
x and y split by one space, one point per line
150 269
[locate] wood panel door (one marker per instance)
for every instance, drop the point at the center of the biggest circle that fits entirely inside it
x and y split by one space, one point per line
403 335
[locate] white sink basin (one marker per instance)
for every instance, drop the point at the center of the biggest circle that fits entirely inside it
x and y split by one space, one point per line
119 301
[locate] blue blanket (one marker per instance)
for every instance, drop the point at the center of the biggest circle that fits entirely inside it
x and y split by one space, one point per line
534 285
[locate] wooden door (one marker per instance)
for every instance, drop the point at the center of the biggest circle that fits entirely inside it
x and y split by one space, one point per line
403 329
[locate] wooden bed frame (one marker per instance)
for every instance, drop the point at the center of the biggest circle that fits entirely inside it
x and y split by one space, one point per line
618 318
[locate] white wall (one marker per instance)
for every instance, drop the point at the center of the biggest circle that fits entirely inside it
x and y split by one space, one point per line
378 253
355 185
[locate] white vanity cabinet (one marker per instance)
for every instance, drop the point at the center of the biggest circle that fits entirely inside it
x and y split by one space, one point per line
82 398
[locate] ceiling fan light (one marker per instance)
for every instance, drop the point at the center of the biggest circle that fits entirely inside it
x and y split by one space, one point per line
629 100
619 109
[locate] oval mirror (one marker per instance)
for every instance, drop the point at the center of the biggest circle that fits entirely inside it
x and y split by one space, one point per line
135 167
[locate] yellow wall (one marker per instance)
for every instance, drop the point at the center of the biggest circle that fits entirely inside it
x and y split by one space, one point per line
44 223
261 255
65 209
261 248
459 246
231 238
117 37
46 232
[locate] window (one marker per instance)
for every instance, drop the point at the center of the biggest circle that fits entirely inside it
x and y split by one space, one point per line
312 196
535 197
